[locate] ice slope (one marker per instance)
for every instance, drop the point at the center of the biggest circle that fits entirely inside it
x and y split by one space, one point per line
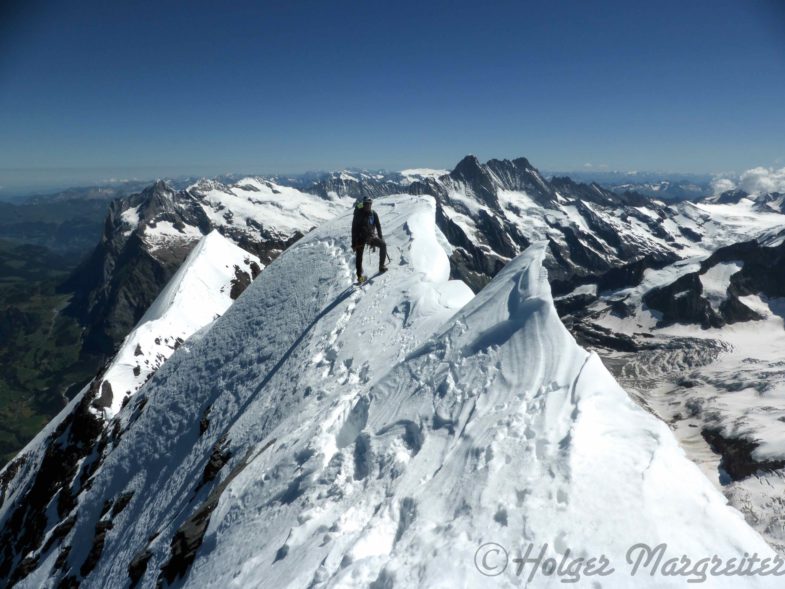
197 294
379 436
498 429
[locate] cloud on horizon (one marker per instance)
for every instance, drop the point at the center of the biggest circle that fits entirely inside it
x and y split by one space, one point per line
758 180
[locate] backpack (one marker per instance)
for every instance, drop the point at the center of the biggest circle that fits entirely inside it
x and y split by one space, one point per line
365 229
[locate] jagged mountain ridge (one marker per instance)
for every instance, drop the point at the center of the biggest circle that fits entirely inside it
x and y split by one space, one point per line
356 462
763 202
490 212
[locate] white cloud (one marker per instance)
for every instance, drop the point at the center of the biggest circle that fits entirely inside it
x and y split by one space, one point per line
721 185
758 180
763 180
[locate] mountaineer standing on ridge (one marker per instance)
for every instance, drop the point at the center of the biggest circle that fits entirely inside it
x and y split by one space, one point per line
367 230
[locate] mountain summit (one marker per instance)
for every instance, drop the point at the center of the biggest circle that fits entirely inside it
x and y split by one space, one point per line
318 435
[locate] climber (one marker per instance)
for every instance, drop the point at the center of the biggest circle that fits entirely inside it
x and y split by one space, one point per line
367 230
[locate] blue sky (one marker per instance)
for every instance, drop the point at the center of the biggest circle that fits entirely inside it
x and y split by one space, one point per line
95 90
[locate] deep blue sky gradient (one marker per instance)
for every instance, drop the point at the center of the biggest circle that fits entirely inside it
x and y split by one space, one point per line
95 90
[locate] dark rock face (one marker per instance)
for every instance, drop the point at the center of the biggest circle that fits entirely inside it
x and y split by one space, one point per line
775 201
8 474
737 461
187 541
189 536
597 336
691 234
240 282
762 273
122 502
733 310
138 566
218 458
105 400
630 274
573 304
204 421
474 175
268 249
114 287
682 302
101 529
484 181
58 475
731 197
116 284
763 270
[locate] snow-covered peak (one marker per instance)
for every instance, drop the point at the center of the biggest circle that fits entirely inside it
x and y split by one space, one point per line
260 209
320 435
415 174
499 429
205 285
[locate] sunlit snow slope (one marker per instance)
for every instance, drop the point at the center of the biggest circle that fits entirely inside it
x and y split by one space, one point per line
324 436
198 293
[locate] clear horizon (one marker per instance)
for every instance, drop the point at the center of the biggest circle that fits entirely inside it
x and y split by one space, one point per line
26 182
174 89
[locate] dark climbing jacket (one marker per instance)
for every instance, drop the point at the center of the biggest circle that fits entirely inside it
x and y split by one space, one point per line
365 226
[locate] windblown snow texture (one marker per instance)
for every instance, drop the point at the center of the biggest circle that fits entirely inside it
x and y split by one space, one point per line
200 291
322 436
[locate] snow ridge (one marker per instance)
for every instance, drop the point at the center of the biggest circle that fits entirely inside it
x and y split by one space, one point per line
325 436
198 293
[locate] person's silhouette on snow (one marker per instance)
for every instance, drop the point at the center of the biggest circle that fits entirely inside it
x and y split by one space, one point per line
367 230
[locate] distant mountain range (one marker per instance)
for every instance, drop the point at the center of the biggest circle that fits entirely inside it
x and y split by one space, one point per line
70 221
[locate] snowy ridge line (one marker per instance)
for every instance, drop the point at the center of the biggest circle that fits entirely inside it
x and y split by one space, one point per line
412 423
408 438
210 378
561 467
201 290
